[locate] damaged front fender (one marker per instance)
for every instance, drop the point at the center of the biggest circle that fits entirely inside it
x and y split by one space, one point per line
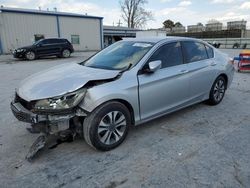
100 94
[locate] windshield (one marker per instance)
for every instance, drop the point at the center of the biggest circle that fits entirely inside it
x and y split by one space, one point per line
119 56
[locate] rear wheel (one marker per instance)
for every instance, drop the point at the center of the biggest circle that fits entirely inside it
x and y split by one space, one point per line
107 126
217 91
65 53
30 55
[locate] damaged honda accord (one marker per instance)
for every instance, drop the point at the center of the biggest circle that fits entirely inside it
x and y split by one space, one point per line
128 83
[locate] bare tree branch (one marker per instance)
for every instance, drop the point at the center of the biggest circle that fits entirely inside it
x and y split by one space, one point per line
134 14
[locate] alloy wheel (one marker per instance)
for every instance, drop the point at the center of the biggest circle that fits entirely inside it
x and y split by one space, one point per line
30 55
66 53
219 90
112 127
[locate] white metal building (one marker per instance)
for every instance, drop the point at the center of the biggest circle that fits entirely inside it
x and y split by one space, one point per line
195 28
20 27
215 26
237 25
116 33
180 29
151 33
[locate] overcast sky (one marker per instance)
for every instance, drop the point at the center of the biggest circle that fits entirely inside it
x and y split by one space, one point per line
188 12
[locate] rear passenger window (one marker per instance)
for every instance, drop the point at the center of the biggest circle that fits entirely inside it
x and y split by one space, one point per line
210 52
194 51
61 41
53 41
169 54
56 41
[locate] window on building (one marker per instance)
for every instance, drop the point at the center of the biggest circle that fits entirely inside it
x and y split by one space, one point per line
194 51
38 37
169 54
75 39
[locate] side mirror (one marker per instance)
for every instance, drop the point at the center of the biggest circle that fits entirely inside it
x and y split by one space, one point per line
154 65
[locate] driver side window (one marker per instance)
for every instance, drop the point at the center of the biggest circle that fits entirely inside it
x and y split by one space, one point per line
170 55
44 42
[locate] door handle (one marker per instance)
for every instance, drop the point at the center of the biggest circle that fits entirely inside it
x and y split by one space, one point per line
213 64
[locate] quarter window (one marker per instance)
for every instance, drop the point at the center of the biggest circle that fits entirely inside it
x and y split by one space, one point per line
210 52
194 51
169 54
75 39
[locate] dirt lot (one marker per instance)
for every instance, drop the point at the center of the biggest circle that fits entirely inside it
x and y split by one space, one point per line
200 146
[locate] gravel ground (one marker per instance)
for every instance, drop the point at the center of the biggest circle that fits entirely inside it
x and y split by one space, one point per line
200 146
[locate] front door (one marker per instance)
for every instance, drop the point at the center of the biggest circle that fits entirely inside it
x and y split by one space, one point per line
167 88
48 47
43 48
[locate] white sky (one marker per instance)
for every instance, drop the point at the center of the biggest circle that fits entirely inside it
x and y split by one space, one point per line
188 12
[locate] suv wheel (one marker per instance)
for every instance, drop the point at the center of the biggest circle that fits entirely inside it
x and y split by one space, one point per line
65 53
107 126
30 55
217 91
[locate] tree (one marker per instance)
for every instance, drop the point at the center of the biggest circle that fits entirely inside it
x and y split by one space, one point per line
168 24
199 24
178 24
134 13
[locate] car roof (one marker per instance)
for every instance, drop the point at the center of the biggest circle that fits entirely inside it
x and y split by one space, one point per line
55 38
160 39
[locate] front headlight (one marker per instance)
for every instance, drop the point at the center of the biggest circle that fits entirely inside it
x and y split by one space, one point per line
20 50
62 102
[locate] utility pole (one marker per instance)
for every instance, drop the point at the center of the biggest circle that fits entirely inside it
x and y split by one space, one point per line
119 24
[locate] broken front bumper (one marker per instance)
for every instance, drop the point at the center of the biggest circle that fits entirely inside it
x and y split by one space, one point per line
22 114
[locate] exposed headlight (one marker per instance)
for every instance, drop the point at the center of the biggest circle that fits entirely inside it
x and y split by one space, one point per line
62 102
20 50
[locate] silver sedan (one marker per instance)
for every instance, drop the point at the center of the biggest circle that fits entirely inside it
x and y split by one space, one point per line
128 83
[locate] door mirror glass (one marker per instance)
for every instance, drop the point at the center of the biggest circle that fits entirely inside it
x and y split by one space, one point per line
154 65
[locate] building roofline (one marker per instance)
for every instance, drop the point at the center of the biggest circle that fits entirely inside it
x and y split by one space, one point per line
48 13
119 28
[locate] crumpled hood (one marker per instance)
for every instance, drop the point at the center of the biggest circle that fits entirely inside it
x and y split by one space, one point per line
60 80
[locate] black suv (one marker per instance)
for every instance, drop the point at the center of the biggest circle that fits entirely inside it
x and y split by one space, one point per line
45 47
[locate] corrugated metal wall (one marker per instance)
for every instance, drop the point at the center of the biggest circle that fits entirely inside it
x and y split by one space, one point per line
87 29
19 29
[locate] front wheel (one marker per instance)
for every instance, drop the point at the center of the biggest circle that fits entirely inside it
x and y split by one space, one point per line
107 126
217 91
30 55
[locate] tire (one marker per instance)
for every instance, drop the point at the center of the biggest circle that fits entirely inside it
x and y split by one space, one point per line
65 53
217 91
30 55
107 126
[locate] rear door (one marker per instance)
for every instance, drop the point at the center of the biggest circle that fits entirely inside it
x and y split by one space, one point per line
62 44
54 46
200 62
166 88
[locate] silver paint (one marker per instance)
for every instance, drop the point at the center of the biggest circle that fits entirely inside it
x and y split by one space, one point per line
149 95
60 80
